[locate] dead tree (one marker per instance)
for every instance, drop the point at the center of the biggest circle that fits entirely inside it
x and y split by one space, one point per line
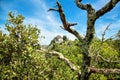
92 16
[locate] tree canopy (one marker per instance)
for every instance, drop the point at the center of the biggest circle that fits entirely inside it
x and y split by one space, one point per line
85 58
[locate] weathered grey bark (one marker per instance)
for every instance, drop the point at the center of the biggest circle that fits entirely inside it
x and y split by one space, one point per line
77 68
104 71
92 16
63 58
66 26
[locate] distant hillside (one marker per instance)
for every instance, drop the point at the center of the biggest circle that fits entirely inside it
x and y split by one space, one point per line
44 46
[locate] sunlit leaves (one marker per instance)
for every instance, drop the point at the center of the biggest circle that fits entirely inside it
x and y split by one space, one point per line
22 59
15 19
16 49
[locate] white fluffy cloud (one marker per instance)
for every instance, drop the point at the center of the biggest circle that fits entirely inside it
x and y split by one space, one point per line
47 23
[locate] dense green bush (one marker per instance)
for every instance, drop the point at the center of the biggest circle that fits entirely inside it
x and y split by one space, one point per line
21 57
16 49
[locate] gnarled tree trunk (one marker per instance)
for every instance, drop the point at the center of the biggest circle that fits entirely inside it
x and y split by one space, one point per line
92 15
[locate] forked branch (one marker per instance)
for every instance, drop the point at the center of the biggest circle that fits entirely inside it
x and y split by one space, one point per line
62 58
76 68
66 25
80 5
109 6
92 17
108 60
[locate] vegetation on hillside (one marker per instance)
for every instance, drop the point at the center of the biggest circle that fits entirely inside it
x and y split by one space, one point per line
85 42
22 58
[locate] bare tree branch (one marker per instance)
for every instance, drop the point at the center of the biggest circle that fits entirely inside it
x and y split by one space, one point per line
91 20
104 32
66 25
95 51
92 17
104 70
108 60
80 5
109 6
72 24
97 55
51 9
76 68
63 58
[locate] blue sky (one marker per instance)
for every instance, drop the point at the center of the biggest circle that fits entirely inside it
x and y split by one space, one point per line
35 12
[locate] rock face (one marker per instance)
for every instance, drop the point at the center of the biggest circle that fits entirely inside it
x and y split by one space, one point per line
58 39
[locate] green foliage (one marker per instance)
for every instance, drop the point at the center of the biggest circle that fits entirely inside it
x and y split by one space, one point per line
16 49
116 42
22 59
72 51
108 53
97 77
65 38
